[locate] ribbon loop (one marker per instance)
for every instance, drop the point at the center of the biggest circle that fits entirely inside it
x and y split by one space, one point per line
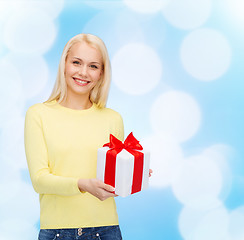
130 143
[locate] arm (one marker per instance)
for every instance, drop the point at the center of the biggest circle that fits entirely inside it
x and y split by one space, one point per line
43 181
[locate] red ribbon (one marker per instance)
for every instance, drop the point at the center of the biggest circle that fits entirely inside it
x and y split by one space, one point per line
131 144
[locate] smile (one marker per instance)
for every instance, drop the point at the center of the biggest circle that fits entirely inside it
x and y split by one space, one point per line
81 82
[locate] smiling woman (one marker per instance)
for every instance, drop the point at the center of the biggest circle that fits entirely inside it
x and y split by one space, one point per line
83 70
62 136
82 54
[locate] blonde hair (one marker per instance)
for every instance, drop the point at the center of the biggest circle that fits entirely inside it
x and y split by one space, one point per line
99 93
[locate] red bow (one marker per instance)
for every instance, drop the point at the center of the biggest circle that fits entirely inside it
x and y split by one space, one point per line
130 143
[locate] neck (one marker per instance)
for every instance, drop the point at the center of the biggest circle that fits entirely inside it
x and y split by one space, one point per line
77 103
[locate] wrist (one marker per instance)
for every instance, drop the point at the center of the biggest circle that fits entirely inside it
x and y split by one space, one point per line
82 185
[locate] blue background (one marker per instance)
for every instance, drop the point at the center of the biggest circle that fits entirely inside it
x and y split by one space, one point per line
216 107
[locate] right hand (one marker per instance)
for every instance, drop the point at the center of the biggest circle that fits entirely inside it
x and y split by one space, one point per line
97 188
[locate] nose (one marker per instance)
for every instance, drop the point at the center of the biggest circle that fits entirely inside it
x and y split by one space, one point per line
83 70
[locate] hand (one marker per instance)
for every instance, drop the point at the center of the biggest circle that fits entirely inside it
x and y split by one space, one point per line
97 188
150 172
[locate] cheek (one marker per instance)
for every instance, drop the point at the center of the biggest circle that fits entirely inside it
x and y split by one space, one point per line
98 75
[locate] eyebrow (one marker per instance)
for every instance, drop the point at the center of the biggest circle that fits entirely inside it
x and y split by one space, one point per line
90 62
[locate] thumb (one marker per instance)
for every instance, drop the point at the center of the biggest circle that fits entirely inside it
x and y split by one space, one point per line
109 188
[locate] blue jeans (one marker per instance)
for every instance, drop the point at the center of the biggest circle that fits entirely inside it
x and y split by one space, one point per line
99 233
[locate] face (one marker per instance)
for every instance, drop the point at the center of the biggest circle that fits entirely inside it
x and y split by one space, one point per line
83 69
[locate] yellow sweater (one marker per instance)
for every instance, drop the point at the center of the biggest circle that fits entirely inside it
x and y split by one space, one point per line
61 147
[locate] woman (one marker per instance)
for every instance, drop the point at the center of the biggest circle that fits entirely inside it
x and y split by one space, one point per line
62 136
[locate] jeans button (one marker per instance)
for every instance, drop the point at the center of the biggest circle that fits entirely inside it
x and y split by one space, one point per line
79 231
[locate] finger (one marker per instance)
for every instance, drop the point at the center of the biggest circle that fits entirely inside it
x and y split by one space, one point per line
109 188
105 195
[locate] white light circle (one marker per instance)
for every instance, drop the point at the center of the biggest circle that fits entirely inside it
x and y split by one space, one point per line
187 14
137 69
213 226
146 6
236 223
204 224
197 182
33 71
51 8
235 10
165 155
98 25
176 115
11 91
12 143
205 54
221 154
6 8
16 226
30 31
27 207
8 175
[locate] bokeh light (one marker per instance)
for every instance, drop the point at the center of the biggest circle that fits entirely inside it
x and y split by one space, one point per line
187 14
137 69
33 71
30 31
165 156
175 115
236 218
205 54
11 80
205 224
146 6
197 182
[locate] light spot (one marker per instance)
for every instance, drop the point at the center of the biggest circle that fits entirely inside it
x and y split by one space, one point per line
165 155
146 6
221 155
175 115
197 182
12 143
17 226
236 223
187 14
33 71
19 205
137 69
205 54
213 226
11 91
235 10
211 223
17 31
51 8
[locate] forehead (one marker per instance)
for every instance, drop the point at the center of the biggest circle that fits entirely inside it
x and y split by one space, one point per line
85 52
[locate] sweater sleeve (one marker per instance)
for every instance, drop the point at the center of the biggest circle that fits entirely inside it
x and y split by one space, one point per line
43 181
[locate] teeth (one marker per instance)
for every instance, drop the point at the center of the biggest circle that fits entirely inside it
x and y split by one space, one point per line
80 81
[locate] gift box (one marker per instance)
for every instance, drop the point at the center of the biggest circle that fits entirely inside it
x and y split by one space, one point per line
125 166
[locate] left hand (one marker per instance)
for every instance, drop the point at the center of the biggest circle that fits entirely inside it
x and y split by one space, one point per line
150 172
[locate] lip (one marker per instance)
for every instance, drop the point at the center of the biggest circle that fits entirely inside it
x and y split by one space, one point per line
85 82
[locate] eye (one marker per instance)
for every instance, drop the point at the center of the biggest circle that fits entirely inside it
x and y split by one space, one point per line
94 66
76 62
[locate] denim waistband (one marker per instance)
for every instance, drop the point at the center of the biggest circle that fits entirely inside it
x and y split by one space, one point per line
110 232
